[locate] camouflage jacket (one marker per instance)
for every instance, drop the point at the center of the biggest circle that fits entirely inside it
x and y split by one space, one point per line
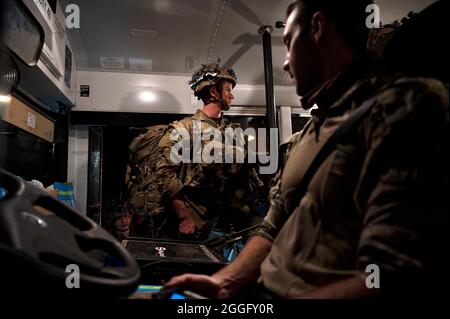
204 186
377 199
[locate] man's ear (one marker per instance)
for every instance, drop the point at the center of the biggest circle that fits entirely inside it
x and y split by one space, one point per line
318 25
213 91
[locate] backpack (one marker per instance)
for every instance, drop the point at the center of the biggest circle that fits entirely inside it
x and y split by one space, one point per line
140 180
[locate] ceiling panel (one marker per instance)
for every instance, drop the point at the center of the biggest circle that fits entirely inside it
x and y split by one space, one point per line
191 32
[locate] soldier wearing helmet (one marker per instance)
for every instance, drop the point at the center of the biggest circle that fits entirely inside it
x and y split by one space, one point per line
213 85
195 194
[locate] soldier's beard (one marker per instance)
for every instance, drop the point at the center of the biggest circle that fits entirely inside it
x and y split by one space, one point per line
225 106
222 103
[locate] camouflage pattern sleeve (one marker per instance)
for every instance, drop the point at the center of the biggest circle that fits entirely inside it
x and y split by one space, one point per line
401 193
275 217
167 172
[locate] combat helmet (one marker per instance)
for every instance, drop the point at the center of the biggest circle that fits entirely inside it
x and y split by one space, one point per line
209 74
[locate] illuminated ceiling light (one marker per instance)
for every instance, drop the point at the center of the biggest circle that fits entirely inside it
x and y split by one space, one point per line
147 96
5 98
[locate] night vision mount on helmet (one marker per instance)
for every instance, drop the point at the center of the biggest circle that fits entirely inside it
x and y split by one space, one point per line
209 74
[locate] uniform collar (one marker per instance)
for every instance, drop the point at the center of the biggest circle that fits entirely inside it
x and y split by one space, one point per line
201 116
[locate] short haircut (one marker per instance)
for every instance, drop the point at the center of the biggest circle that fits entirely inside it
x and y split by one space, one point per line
348 16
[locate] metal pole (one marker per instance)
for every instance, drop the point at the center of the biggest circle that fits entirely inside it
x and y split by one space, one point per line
266 31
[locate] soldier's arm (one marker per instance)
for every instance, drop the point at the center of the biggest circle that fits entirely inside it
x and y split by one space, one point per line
402 190
245 269
171 186
166 169
230 280
277 214
187 223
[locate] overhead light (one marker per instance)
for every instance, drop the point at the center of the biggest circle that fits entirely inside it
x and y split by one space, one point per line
5 98
144 34
147 96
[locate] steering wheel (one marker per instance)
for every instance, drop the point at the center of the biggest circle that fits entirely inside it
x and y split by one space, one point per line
43 243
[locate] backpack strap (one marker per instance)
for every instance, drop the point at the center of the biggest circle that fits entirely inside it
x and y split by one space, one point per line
184 125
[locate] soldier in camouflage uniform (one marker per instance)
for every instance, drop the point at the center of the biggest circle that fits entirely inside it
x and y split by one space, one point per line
198 193
378 204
